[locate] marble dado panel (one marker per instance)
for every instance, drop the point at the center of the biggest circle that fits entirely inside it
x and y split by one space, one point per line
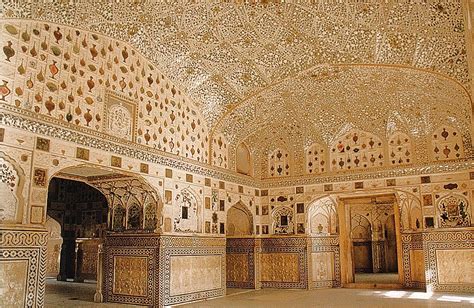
413 260
325 265
192 274
90 248
284 263
131 269
205 252
241 264
22 267
449 256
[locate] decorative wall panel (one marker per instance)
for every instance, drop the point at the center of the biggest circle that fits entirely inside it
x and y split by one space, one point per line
130 276
325 262
241 256
23 267
90 248
131 269
446 144
356 150
400 150
449 256
284 263
315 159
220 152
175 250
279 163
413 261
194 274
93 81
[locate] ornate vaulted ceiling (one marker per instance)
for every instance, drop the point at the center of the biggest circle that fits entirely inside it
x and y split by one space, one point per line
291 73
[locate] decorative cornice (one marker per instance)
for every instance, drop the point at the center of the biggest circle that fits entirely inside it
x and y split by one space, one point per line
46 126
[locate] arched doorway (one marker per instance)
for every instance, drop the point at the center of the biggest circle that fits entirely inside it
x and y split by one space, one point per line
77 217
373 240
240 247
90 203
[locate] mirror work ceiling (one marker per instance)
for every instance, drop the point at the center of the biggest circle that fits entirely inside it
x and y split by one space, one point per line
291 73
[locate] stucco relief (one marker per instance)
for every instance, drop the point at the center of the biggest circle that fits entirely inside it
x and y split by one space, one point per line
119 117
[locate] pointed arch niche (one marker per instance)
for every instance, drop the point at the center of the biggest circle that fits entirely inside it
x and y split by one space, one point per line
240 248
243 159
239 220
322 217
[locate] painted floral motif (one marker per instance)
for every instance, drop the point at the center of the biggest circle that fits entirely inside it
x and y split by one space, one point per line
454 211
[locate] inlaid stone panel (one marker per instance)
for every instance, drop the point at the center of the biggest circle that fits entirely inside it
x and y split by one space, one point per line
13 274
191 274
417 266
322 266
280 267
237 267
455 266
130 275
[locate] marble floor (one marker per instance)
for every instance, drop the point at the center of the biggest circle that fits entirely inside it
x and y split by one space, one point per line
391 278
78 295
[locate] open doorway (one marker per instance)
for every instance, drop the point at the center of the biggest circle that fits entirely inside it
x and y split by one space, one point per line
77 217
373 238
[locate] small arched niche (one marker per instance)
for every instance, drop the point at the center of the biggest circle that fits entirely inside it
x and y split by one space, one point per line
239 220
322 217
243 159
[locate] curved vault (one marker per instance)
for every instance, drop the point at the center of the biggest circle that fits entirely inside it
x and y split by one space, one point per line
322 103
223 53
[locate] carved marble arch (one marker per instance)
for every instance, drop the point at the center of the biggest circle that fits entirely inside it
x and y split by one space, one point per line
279 163
356 150
315 159
133 203
411 217
400 151
12 179
283 220
322 217
446 144
239 220
243 159
361 229
453 210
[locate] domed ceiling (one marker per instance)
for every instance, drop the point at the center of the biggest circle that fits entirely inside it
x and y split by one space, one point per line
291 73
